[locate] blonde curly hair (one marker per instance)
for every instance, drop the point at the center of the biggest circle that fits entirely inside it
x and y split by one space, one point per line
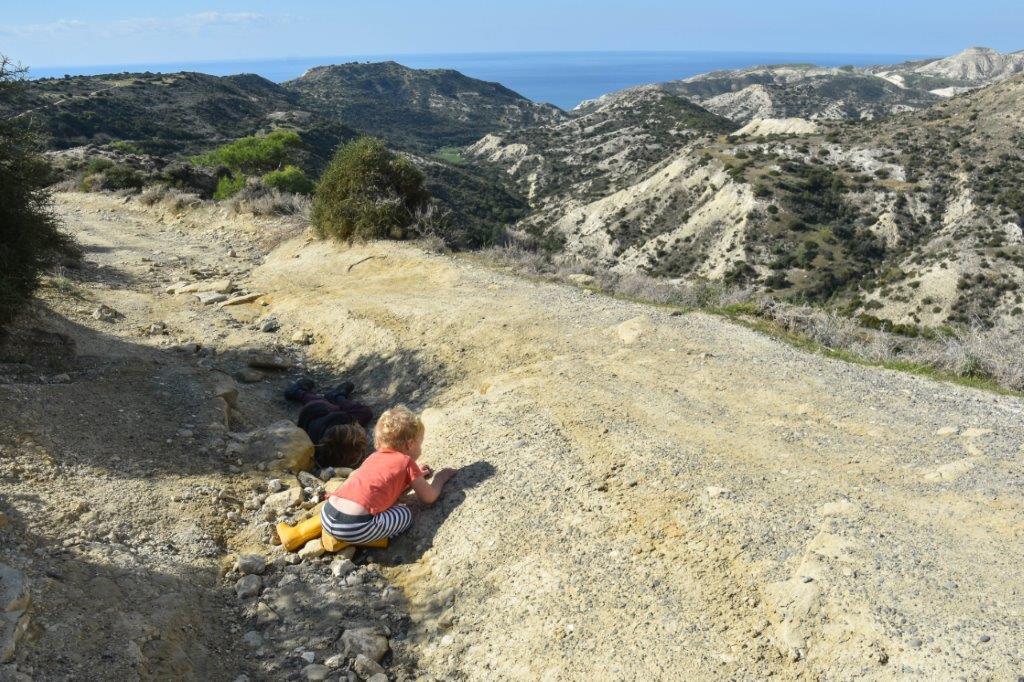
398 428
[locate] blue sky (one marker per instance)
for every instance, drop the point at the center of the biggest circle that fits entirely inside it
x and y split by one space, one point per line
61 32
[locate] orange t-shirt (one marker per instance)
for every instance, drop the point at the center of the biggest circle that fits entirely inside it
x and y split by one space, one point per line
380 480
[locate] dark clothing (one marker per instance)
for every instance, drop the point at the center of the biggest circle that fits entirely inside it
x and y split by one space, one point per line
317 415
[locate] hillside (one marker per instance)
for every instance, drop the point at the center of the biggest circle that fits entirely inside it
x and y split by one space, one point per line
640 494
420 108
808 91
158 112
914 218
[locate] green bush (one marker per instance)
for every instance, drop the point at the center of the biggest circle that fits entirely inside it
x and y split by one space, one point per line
228 186
125 147
289 179
29 235
368 193
253 155
122 177
98 165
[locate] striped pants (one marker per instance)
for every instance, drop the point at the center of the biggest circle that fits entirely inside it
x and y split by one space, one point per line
358 529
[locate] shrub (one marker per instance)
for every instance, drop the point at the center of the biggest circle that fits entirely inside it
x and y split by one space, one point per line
170 197
368 193
29 235
124 147
122 177
289 179
98 165
254 154
228 186
260 200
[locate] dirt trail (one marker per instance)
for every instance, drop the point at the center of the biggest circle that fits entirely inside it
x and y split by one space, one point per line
661 495
642 494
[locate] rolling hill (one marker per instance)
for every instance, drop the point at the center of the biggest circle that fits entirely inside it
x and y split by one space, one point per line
914 218
418 108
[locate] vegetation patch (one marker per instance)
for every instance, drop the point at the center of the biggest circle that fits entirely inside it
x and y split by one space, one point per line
367 192
30 238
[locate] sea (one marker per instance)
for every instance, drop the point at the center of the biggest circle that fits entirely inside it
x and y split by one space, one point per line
561 78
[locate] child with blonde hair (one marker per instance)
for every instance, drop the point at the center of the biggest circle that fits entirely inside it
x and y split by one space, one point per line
364 508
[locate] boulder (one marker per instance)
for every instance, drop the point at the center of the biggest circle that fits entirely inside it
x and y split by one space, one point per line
248 586
366 641
366 667
251 564
284 500
312 549
282 446
341 567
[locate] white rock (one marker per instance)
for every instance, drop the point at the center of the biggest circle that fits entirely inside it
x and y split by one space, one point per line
312 549
239 300
281 446
251 564
366 667
105 313
284 500
210 297
342 567
365 641
275 485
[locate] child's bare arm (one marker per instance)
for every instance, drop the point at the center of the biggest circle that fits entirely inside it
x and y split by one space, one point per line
427 491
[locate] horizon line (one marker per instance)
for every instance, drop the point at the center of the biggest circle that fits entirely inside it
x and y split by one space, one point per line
392 56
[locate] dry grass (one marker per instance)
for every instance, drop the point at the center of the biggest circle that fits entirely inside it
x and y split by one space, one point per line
995 355
260 200
172 199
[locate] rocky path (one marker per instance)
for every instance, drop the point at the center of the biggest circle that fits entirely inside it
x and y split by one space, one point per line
641 494
124 500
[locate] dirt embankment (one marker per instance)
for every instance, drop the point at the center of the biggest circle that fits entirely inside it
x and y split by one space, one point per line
641 494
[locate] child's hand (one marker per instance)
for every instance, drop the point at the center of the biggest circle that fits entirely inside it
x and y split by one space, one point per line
427 471
443 476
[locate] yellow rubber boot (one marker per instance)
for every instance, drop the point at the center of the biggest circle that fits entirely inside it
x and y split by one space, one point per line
333 544
294 537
